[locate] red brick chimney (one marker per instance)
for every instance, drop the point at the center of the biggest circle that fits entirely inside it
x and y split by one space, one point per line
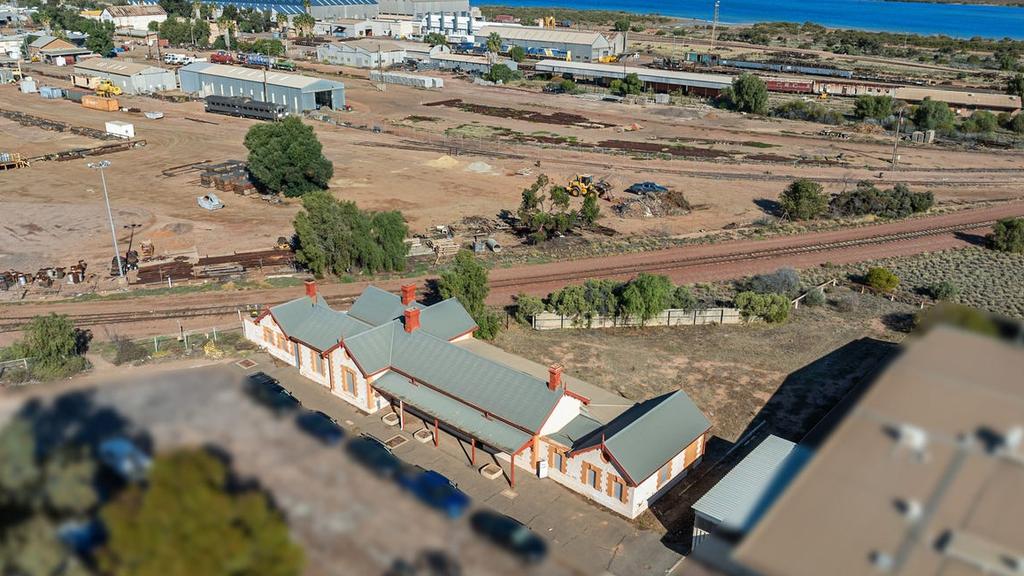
408 294
554 376
412 319
311 289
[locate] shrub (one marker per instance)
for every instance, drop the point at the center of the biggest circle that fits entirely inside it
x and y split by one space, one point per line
683 298
782 281
1008 235
771 308
517 53
845 302
882 279
933 115
1016 124
501 73
286 157
527 307
877 107
808 111
943 291
803 200
896 202
814 297
981 121
128 351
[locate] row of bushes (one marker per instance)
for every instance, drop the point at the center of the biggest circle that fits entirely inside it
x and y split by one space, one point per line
643 298
806 200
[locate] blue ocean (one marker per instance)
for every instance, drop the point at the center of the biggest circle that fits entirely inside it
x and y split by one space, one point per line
957 20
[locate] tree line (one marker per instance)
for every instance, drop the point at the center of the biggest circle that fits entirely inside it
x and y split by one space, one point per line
806 200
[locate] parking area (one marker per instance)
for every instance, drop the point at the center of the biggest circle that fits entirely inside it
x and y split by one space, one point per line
584 538
348 520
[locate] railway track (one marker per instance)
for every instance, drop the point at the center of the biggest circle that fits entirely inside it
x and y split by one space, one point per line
11 324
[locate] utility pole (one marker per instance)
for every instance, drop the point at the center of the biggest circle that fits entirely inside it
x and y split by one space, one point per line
714 27
110 216
896 138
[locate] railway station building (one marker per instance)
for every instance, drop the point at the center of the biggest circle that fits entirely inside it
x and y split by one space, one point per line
390 353
296 92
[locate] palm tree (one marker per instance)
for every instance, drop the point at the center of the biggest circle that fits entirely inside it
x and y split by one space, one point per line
306 4
494 43
282 21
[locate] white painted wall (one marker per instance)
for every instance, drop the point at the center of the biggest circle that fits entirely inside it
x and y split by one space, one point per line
255 334
566 409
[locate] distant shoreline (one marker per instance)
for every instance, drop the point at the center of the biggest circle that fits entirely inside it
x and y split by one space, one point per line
1004 3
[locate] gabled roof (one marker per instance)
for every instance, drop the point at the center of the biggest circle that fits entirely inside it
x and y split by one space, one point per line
446 319
316 323
136 10
113 66
376 306
43 41
576 430
306 83
748 490
642 439
535 34
483 384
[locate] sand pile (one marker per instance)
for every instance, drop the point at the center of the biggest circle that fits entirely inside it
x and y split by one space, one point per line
445 162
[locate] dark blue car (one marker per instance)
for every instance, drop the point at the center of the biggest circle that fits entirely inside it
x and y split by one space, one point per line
646 188
440 493
320 426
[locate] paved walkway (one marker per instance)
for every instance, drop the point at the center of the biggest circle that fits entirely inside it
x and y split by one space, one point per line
582 535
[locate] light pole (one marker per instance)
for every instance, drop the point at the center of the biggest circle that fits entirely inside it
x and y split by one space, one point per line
896 138
110 216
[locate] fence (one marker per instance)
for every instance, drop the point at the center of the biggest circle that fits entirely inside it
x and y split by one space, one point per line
20 363
671 317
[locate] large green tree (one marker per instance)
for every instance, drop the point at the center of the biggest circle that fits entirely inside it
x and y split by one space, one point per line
749 94
877 107
631 84
53 345
1015 85
933 115
286 157
803 200
466 280
336 236
188 522
646 296
436 39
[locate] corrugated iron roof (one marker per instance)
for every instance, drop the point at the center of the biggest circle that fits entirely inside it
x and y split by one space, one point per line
378 306
454 413
257 75
577 429
749 489
645 437
536 34
119 67
135 10
316 323
613 71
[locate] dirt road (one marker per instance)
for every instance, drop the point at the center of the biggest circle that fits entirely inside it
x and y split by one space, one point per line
149 315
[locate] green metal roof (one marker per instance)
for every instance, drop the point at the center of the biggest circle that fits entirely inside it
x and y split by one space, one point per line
740 498
446 319
645 437
487 385
576 430
375 306
454 413
316 323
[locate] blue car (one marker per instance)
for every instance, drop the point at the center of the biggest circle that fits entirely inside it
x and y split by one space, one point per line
646 188
439 493
320 426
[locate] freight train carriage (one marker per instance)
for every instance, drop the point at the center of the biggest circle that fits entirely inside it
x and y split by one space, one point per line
245 107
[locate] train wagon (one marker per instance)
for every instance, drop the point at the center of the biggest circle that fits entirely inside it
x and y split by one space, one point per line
245 108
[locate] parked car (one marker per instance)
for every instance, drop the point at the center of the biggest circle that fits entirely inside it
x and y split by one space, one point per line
407 474
320 426
375 455
646 188
510 534
270 393
124 458
440 493
222 57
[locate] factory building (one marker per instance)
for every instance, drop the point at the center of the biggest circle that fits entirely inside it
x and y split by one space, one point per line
132 78
319 9
460 26
382 26
570 44
417 7
133 16
363 53
656 80
297 93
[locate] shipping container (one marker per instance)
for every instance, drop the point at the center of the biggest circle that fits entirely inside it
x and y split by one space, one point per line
28 86
51 93
790 86
98 103
122 129
75 95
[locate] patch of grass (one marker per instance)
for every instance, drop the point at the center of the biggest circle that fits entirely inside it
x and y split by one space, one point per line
756 144
284 282
139 293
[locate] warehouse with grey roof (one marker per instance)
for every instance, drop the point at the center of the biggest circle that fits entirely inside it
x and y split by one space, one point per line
392 353
131 77
582 45
295 92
